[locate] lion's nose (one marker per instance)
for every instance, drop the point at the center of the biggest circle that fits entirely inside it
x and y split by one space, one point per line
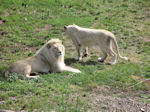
59 53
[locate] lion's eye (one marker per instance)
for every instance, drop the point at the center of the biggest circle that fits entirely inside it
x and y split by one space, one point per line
55 48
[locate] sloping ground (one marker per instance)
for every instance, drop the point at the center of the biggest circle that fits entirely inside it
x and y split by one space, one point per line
26 25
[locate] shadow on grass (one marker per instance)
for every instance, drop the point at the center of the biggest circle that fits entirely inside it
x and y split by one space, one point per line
69 61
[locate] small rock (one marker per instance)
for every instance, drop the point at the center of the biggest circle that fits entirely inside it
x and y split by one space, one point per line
142 110
25 19
97 100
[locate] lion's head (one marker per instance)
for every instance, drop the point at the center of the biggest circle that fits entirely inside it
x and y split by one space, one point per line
55 46
52 51
71 28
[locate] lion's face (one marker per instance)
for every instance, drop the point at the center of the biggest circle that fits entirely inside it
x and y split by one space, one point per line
57 49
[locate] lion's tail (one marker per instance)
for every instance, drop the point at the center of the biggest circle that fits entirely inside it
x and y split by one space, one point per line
70 69
117 49
6 73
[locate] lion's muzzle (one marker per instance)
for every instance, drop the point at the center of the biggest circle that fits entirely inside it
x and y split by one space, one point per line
60 53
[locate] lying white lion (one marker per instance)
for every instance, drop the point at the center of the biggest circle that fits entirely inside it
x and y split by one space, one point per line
50 58
90 37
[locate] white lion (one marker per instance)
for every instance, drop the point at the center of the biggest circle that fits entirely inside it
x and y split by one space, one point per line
90 37
50 58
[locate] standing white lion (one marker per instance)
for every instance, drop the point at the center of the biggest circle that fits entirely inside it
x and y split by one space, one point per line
50 58
85 37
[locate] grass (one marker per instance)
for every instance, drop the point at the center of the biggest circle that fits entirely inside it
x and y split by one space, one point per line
26 25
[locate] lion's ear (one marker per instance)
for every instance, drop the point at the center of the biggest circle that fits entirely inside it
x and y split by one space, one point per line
65 27
48 45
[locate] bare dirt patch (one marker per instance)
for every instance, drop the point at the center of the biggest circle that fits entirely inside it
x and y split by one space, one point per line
118 102
103 103
46 28
146 39
133 59
148 82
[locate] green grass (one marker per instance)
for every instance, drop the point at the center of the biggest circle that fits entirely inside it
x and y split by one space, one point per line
29 24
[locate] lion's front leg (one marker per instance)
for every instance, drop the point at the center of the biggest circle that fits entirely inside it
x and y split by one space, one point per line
70 69
86 53
80 53
31 77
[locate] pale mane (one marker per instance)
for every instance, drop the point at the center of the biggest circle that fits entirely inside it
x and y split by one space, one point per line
46 54
54 40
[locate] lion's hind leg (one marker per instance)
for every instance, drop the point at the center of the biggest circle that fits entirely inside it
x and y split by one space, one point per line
114 57
31 77
101 59
27 72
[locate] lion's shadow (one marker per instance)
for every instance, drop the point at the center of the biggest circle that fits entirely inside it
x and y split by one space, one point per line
70 61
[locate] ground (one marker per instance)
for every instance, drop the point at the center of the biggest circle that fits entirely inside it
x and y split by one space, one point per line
26 25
